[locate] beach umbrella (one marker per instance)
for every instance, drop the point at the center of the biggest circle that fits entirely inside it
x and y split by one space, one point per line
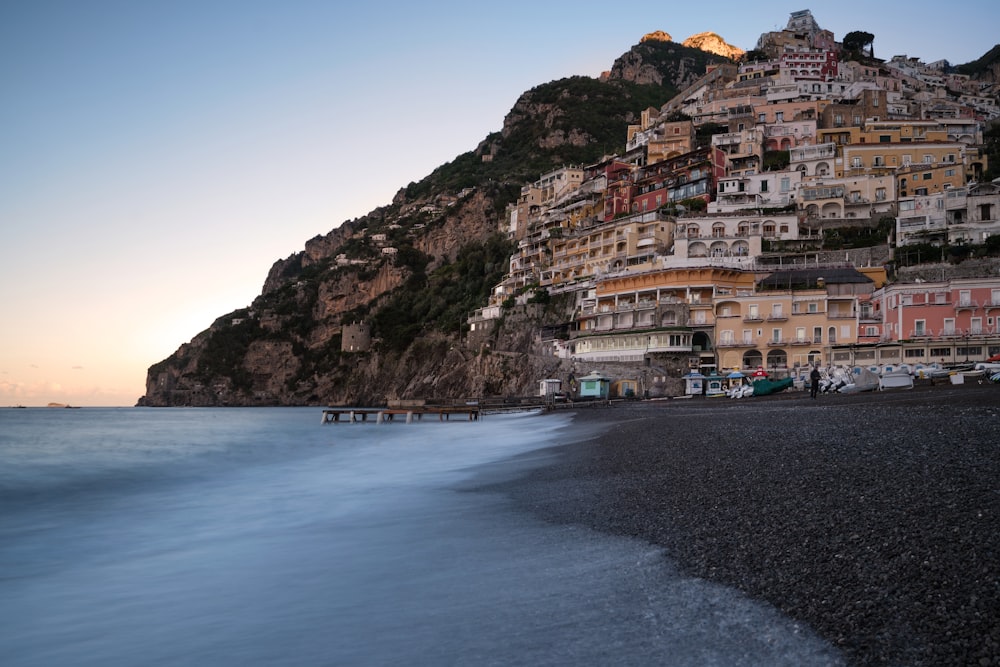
735 375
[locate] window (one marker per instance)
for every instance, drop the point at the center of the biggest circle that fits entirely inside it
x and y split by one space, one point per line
775 335
928 159
949 326
776 310
976 325
880 194
761 118
817 334
786 184
884 138
920 328
879 161
856 162
779 117
763 186
871 331
964 298
928 175
813 307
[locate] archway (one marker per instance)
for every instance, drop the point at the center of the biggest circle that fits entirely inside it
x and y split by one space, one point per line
752 359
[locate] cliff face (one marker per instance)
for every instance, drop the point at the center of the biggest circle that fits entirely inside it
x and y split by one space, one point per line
712 43
663 62
285 349
415 269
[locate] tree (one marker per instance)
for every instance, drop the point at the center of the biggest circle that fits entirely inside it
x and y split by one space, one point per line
856 41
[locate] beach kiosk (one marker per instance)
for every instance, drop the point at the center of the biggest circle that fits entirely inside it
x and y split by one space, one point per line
715 385
694 383
549 387
594 385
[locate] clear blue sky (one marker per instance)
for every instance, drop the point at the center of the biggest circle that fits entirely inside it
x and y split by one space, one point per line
157 157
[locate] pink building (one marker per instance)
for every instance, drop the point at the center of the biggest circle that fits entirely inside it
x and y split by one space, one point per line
947 322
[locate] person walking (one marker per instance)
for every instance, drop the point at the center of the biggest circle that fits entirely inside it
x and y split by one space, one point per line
814 382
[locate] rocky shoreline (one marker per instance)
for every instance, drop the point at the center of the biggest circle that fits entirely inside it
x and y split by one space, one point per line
873 518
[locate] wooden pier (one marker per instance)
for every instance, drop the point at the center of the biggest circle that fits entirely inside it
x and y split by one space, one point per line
382 415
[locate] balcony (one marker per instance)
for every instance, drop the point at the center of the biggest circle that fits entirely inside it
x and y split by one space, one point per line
777 317
753 318
967 305
732 342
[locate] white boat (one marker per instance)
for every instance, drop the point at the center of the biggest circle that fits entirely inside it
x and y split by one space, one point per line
862 379
897 379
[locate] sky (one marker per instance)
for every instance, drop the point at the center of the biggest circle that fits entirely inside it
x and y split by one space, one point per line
156 158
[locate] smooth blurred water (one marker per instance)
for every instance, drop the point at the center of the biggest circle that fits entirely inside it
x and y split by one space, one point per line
261 537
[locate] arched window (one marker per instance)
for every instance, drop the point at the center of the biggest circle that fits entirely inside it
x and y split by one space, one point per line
718 230
752 359
777 359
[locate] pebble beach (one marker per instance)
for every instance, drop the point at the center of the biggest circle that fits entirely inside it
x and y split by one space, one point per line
874 519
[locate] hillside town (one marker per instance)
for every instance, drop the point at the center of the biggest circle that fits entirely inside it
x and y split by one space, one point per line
682 257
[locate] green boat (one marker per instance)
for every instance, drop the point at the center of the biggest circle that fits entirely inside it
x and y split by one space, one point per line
764 387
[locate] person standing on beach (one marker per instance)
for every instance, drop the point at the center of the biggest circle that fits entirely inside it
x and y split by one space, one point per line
814 382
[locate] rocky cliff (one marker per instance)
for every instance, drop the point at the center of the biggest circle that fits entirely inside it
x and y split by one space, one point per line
713 43
414 269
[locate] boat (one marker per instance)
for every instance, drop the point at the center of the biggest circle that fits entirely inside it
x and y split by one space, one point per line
897 379
861 380
765 387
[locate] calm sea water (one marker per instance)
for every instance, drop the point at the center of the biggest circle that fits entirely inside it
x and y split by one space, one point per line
261 537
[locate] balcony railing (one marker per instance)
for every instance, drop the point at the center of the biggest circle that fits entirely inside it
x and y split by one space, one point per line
736 343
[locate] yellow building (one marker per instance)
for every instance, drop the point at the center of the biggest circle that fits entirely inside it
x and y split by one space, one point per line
890 158
667 311
791 319
629 243
885 132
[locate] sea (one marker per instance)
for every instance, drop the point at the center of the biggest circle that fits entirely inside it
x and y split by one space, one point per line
260 536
